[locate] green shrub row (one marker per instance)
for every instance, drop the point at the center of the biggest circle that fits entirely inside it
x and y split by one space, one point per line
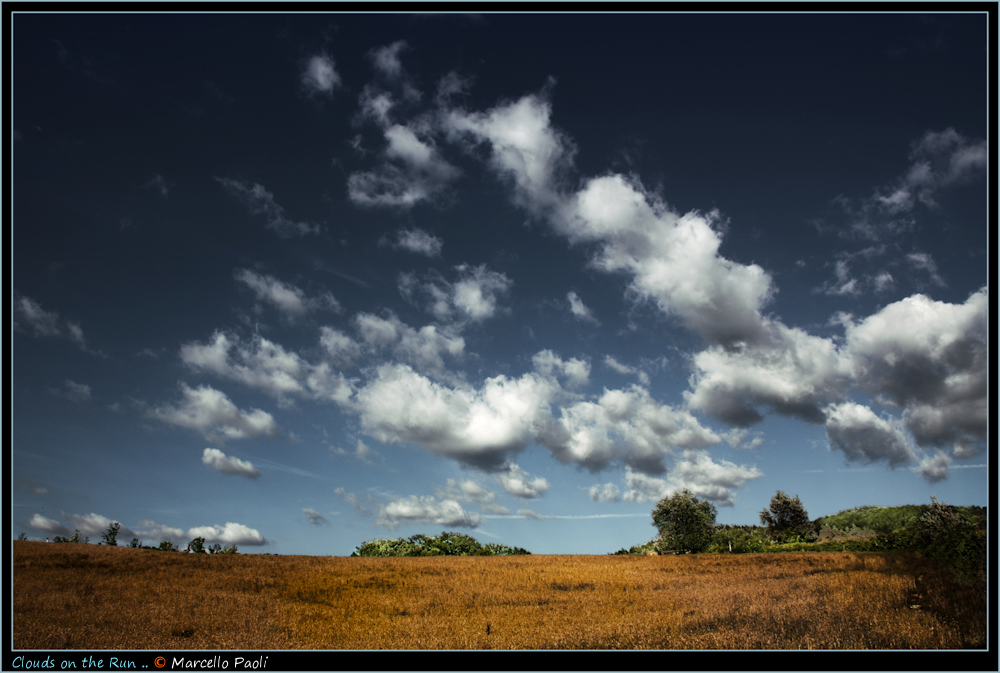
446 544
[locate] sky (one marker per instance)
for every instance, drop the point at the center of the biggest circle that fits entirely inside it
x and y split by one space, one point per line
298 281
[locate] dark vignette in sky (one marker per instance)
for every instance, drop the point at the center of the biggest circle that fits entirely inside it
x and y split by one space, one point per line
293 282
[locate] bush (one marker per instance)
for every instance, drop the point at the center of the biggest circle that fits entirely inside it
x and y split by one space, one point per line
446 544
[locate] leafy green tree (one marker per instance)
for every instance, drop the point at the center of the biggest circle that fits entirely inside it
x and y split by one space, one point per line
686 524
229 549
110 537
134 544
167 545
22 537
196 546
787 520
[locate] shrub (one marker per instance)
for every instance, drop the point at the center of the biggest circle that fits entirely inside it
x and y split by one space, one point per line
446 544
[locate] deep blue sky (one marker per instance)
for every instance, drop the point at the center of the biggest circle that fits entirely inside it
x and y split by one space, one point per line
295 282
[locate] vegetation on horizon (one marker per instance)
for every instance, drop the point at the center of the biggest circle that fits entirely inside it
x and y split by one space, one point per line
446 544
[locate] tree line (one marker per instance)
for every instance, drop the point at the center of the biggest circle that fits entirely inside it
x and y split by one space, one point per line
110 538
953 535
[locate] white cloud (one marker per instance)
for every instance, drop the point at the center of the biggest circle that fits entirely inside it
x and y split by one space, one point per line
266 366
150 530
935 468
864 437
428 510
473 296
412 170
386 59
231 533
288 298
43 523
525 147
792 372
217 460
479 427
625 426
606 493
468 490
710 480
924 262
343 349
28 314
577 308
672 259
574 372
320 75
208 411
519 483
95 525
261 202
931 359
423 348
419 241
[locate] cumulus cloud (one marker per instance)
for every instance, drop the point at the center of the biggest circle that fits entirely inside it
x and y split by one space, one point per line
217 460
423 349
625 426
210 412
472 297
791 372
935 468
320 75
314 517
419 241
479 427
672 259
47 525
525 148
864 437
575 373
96 525
341 347
708 479
150 530
386 59
519 483
261 202
231 533
931 359
605 493
577 308
287 298
426 510
469 490
267 366
412 171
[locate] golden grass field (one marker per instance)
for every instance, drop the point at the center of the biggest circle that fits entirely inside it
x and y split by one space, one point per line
81 596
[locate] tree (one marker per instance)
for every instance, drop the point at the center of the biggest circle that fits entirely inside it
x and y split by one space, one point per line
196 546
110 538
787 519
167 545
686 524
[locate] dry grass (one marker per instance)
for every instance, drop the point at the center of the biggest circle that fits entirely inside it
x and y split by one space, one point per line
75 596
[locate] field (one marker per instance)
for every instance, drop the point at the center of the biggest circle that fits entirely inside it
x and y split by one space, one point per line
81 596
